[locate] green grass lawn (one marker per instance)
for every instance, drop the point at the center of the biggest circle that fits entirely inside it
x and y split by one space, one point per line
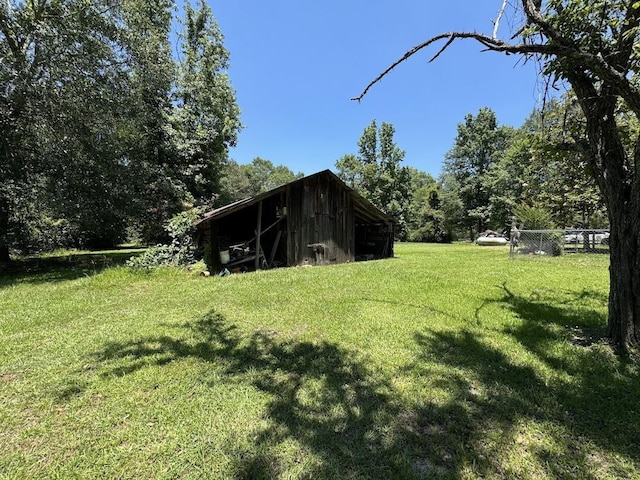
448 361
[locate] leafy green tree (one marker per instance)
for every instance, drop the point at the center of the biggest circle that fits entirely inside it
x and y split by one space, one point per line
478 146
244 181
569 190
155 194
349 169
189 118
377 175
55 53
509 180
206 117
452 206
98 126
593 46
541 165
426 218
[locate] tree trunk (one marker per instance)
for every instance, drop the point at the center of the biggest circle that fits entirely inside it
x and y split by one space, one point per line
624 273
618 178
620 187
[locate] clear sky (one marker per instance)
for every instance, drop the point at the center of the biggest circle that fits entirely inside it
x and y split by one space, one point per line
295 64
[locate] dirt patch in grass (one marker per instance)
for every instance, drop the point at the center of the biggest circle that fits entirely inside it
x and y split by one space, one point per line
8 377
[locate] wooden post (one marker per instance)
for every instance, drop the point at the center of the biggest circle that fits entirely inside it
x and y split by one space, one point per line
274 249
258 235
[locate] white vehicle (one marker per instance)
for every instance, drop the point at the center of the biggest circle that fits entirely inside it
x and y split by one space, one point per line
574 237
592 237
488 240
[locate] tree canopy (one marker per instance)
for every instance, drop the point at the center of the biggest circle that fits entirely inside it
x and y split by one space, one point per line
477 149
376 172
100 127
247 180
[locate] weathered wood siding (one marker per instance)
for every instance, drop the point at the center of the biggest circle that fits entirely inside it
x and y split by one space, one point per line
316 220
321 222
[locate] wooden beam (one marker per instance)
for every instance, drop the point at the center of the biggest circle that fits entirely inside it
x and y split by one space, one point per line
274 249
258 230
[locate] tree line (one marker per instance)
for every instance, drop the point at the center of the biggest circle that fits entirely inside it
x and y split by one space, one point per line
105 135
492 174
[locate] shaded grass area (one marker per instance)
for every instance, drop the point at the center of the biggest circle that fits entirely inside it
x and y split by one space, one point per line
63 265
445 362
318 394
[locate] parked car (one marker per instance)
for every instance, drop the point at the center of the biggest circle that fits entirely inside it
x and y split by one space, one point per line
591 236
604 240
573 237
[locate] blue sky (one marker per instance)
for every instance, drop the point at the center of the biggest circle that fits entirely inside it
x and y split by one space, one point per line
296 64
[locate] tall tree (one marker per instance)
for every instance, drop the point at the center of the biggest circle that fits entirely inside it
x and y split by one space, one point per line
54 54
425 222
144 132
206 120
478 146
593 45
509 181
452 206
377 174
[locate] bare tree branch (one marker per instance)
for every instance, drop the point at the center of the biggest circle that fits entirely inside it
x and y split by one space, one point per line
492 44
449 42
496 24
562 48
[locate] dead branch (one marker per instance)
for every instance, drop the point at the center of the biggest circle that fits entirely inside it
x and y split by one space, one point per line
446 45
563 48
490 43
496 24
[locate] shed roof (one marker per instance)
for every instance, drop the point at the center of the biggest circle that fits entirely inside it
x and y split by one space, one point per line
363 207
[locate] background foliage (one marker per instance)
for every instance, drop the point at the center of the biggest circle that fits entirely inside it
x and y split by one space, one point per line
491 173
105 136
100 127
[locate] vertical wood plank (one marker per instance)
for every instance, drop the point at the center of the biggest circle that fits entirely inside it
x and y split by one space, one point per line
258 235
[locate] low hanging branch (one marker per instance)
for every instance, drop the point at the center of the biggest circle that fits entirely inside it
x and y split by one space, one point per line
556 45
491 43
563 48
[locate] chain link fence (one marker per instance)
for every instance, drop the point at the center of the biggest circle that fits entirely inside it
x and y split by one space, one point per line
558 242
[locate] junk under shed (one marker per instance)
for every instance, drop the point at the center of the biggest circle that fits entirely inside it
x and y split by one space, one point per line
316 220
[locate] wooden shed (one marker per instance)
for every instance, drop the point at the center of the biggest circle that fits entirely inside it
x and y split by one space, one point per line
316 220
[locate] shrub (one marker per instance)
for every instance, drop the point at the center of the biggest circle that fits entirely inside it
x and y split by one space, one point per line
180 252
429 233
533 217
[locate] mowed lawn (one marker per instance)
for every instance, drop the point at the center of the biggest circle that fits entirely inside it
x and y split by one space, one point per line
447 361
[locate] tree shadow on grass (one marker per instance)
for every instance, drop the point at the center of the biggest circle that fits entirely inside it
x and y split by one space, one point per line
46 269
321 396
543 310
539 404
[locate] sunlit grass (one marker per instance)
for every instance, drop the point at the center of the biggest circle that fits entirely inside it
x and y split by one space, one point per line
448 361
